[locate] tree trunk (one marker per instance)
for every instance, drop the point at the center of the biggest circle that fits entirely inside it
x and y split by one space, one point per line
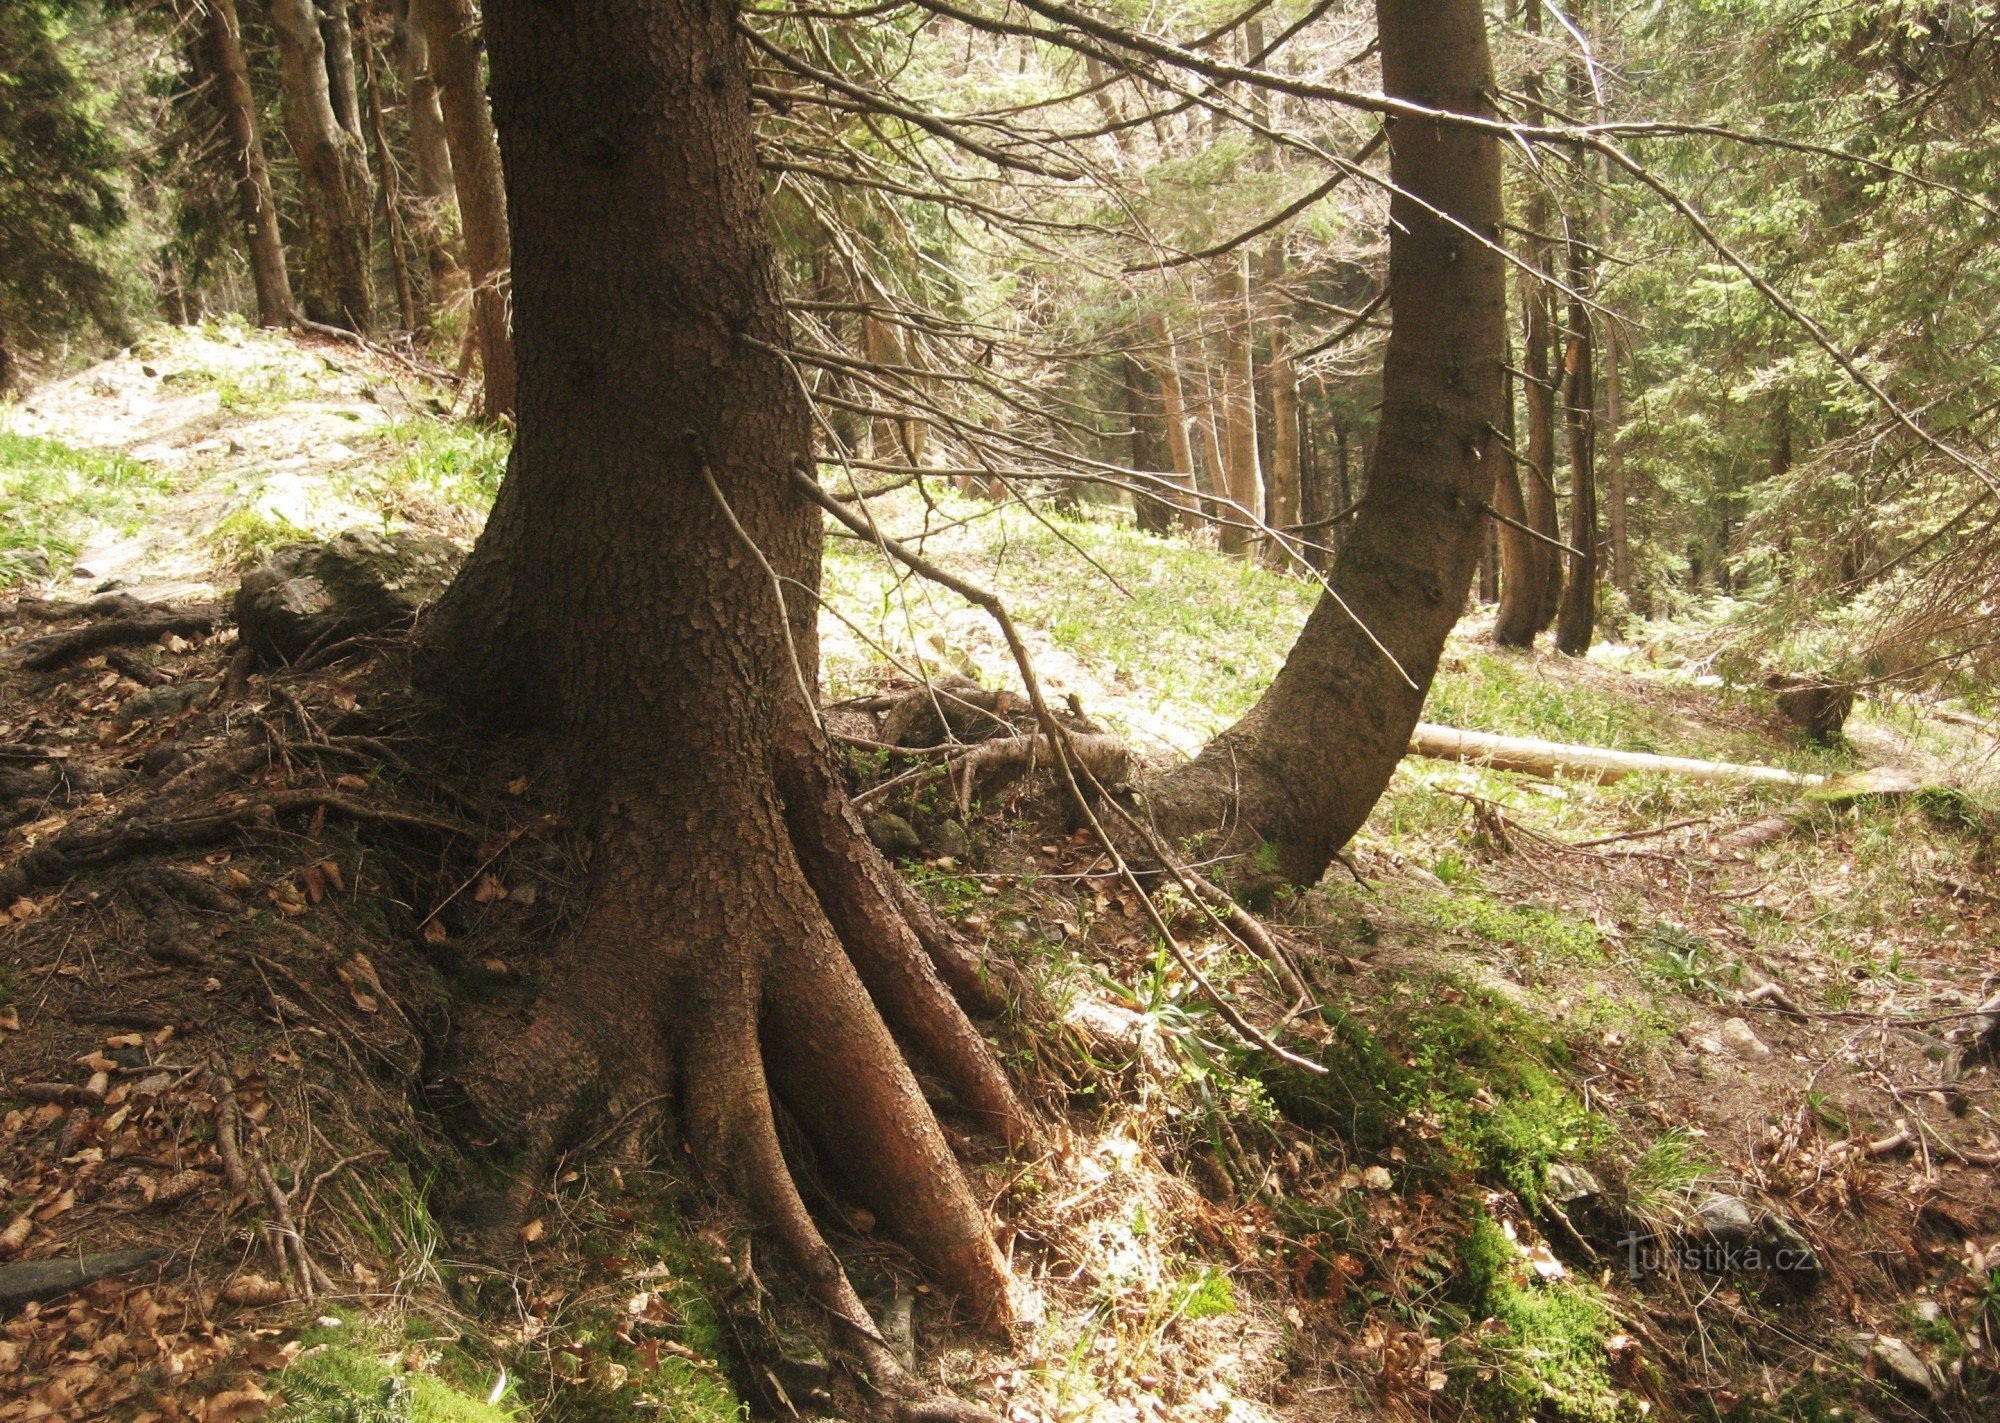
1539 392
436 196
1283 382
336 29
1174 413
222 36
453 33
335 168
1146 444
1302 769
1523 569
1576 624
1243 475
742 941
389 191
1618 528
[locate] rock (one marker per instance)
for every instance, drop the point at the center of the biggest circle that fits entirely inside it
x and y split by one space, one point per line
1898 1362
28 563
159 703
1567 1183
31 1280
949 840
1730 1219
309 595
1742 1040
893 835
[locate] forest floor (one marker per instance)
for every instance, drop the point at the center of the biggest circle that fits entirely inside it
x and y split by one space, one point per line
1572 1158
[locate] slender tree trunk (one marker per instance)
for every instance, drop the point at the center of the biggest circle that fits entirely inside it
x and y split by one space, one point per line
1606 440
1522 568
1302 769
453 33
430 151
389 190
334 165
1539 390
1282 380
1146 441
1212 478
743 943
222 50
1243 473
1576 624
336 28
1174 413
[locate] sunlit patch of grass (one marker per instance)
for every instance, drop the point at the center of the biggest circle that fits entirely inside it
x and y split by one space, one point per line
246 536
454 461
344 1375
1544 932
50 491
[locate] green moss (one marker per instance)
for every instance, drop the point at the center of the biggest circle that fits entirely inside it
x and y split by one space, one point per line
340 1378
1550 1360
1542 931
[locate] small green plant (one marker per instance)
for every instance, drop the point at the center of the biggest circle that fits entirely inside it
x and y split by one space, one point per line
248 535
52 493
458 463
345 1375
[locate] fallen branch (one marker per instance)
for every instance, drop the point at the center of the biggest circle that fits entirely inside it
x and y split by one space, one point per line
1550 758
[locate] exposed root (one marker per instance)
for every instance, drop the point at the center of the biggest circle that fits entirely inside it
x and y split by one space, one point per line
46 654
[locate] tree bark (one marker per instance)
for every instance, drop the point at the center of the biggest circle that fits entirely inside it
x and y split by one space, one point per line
1539 392
453 33
1282 380
335 168
389 191
1302 769
336 29
742 941
436 196
222 50
1174 413
1618 518
1243 473
1523 570
1146 442
1576 622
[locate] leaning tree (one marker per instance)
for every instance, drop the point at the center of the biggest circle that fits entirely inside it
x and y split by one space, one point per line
643 597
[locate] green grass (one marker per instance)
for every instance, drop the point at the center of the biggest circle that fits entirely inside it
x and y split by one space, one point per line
50 493
458 463
343 1375
1461 909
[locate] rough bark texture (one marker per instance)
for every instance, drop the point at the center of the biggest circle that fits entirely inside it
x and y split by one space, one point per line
453 33
335 168
1174 413
222 52
336 29
1305 765
743 941
436 225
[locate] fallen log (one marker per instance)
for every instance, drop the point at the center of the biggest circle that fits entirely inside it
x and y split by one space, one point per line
1551 758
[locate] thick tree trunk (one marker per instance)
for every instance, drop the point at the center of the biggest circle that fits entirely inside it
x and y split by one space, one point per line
1243 473
742 941
334 165
1576 624
436 222
453 33
1303 768
222 50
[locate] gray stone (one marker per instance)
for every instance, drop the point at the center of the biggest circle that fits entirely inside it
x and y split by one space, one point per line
167 700
310 595
1730 1219
1899 1363
950 839
1567 1183
893 835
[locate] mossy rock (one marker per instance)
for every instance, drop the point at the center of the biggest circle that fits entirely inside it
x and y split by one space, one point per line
309 595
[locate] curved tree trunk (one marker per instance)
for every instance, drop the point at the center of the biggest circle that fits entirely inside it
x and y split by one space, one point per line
436 204
1303 768
453 32
222 53
743 941
334 165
